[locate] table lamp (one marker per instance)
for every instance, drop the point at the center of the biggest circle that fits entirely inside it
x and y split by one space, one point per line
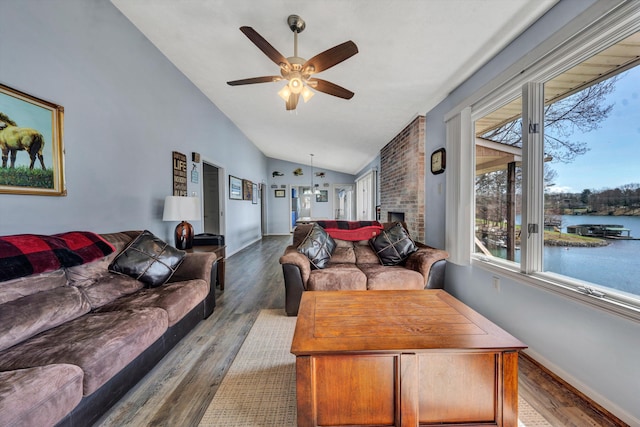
181 208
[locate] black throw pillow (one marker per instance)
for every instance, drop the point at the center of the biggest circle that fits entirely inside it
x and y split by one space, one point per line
148 259
393 246
318 247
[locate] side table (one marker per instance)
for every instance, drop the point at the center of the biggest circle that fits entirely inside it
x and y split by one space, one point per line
219 250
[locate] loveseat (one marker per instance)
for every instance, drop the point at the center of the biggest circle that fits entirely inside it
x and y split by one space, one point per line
77 336
354 263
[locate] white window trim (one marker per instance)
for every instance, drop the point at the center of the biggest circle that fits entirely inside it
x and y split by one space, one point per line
599 26
532 177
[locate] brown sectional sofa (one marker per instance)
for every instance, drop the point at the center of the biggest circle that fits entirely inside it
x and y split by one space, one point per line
355 266
73 341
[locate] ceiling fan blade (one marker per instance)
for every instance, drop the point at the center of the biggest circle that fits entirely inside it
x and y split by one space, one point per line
292 103
330 57
330 88
265 79
264 46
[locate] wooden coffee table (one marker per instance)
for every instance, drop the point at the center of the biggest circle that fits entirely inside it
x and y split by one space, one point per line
401 358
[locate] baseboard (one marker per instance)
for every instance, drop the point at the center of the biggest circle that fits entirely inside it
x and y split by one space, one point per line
610 409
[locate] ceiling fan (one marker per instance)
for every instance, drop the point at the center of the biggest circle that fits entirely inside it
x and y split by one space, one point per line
299 71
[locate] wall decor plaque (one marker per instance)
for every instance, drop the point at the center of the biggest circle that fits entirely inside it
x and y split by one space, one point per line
179 174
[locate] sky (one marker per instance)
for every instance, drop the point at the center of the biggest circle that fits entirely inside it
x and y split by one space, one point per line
614 156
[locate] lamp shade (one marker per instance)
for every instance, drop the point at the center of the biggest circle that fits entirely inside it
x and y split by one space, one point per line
180 208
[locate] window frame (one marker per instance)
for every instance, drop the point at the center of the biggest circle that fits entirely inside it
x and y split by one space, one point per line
600 26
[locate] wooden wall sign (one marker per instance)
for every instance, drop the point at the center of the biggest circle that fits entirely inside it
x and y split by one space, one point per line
179 174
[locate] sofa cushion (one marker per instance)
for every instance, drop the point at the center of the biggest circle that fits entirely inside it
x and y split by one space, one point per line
23 286
177 299
343 255
99 285
380 277
364 253
393 245
317 246
25 317
148 259
39 396
300 233
26 254
337 277
120 240
99 343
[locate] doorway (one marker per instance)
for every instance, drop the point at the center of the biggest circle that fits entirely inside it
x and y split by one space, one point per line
366 196
300 204
212 188
343 202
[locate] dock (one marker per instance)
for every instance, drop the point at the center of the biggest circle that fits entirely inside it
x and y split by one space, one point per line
608 231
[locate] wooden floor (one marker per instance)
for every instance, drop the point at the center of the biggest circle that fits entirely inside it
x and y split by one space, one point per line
181 386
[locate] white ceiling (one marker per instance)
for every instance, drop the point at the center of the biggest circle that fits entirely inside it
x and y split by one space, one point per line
412 53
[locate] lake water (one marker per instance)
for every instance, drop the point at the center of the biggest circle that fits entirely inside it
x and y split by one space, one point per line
615 266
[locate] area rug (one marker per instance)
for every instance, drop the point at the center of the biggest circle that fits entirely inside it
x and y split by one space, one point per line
260 387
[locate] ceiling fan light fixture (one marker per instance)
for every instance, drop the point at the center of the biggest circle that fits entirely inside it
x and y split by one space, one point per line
284 93
306 93
296 85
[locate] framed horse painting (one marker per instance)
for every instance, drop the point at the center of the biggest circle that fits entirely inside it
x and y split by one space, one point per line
31 145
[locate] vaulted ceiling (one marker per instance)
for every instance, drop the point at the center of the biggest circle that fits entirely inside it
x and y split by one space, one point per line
412 53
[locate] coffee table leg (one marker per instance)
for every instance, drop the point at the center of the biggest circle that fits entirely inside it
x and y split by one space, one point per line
304 396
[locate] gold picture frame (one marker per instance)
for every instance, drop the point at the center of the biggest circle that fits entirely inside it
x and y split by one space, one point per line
31 145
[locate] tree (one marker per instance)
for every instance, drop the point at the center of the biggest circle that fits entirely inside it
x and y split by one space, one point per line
583 111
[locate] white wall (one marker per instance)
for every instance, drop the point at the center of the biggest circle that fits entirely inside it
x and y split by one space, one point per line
126 109
595 351
279 208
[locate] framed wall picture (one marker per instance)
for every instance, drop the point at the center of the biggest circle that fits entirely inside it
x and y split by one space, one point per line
31 145
247 189
235 188
322 196
254 194
280 193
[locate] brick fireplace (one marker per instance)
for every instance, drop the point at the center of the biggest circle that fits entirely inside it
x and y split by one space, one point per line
402 178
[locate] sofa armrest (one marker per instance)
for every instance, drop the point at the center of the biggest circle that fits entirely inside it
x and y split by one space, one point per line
196 265
296 269
292 256
426 259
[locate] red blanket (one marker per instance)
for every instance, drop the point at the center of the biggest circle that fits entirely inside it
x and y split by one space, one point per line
351 230
25 254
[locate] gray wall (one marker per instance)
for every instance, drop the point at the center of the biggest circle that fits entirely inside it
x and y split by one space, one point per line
596 351
126 109
280 208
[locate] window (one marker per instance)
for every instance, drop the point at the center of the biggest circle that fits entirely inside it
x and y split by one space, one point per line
555 185
498 181
592 184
